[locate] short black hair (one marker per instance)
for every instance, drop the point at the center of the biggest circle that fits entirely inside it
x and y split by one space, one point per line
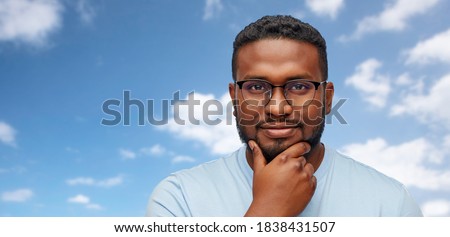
281 27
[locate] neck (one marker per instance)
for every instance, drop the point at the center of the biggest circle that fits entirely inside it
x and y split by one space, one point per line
315 156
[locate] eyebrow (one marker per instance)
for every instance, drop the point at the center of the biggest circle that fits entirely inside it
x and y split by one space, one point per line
298 76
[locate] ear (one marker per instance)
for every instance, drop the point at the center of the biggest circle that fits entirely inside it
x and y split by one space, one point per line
232 91
329 93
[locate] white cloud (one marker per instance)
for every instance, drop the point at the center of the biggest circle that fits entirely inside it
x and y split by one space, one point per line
15 170
94 206
19 195
447 141
81 199
373 87
434 49
110 182
85 201
7 134
81 181
182 159
114 181
156 150
413 163
127 154
29 21
439 207
427 108
72 150
85 10
212 8
404 80
219 134
328 8
394 17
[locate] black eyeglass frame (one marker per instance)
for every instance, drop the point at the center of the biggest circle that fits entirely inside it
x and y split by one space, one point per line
315 83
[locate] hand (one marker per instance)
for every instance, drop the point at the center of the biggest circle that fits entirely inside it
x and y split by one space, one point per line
283 187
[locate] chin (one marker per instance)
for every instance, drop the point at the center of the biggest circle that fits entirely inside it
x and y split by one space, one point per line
271 148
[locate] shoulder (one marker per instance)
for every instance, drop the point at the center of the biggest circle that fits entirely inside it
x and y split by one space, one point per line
365 181
174 195
210 169
364 172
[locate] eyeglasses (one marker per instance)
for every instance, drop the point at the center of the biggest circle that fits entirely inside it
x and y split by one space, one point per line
298 92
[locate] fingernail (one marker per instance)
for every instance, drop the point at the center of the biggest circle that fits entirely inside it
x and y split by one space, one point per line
251 145
307 148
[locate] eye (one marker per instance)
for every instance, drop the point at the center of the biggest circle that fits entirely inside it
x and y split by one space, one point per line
256 86
299 87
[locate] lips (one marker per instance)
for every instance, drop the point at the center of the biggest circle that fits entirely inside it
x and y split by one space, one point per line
279 130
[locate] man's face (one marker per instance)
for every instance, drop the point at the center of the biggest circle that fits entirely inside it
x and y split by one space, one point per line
278 125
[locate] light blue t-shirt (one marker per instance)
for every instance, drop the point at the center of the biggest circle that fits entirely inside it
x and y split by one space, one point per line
223 187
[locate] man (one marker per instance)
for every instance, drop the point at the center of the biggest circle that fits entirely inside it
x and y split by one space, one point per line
281 96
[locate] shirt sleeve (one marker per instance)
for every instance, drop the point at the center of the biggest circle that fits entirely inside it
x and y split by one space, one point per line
167 200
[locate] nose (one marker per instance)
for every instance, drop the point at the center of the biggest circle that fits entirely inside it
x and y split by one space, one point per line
278 106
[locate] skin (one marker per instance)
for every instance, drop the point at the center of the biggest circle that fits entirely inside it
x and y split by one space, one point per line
278 134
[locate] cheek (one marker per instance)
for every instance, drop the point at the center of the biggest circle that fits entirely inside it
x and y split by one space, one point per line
248 116
313 114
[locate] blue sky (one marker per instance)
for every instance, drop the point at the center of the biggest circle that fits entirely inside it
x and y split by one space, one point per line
60 60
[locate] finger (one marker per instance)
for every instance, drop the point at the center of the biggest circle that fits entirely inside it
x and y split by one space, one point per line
298 163
302 161
309 169
259 162
296 150
314 182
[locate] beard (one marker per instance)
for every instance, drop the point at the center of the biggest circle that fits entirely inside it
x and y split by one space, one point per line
270 152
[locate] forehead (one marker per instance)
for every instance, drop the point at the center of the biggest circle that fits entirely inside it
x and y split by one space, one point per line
278 60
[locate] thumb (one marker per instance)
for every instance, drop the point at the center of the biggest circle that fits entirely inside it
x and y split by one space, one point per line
259 162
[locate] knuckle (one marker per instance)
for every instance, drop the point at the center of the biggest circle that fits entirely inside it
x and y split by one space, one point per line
309 168
283 158
302 159
298 165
